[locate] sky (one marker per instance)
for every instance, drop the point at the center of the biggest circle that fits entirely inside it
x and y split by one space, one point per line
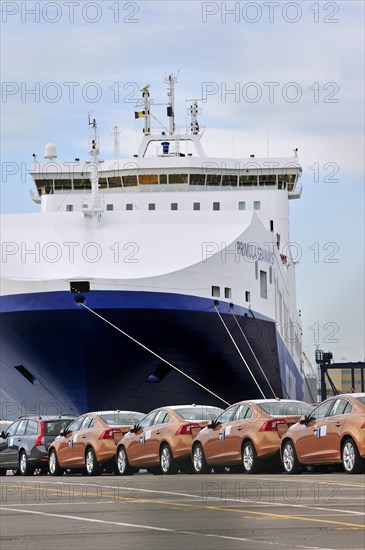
273 76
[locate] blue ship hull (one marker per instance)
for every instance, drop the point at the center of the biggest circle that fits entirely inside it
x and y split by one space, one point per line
58 357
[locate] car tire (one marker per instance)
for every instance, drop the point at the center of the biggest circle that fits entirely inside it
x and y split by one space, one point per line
290 459
54 467
351 459
251 462
123 467
91 464
3 472
24 466
200 465
167 461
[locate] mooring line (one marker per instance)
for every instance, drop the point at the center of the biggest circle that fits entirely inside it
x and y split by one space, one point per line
152 352
253 353
237 348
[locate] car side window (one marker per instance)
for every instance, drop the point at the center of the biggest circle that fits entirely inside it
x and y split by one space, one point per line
32 427
12 429
162 417
147 420
21 427
321 411
341 406
228 414
242 412
87 423
75 425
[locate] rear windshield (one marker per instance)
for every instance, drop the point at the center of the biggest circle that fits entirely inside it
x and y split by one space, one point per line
53 427
198 413
122 418
361 398
285 408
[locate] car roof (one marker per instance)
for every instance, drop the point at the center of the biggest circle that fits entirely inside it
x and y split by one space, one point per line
116 411
258 401
191 406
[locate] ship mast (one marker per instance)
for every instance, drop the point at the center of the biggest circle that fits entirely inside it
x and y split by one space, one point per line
93 207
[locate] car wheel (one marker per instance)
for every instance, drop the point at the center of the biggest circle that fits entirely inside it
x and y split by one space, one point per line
251 462
24 467
92 466
54 467
199 463
352 461
3 472
290 459
167 462
122 463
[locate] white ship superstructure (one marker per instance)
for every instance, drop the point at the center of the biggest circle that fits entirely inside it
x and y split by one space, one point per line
199 246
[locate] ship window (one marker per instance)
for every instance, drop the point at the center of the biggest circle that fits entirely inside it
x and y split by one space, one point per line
257 205
241 205
256 270
25 372
178 178
248 181
103 183
228 293
216 291
129 206
174 206
115 181
110 206
271 225
83 183
284 179
163 178
213 179
248 296
128 181
196 205
150 179
229 179
197 179
263 284
69 207
79 286
151 206
267 180
44 186
61 184
270 275
216 205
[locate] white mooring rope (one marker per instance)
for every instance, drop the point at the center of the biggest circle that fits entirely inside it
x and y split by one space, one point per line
153 353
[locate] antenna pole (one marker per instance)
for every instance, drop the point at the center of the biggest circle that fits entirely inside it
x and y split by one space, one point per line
146 108
94 153
171 79
116 134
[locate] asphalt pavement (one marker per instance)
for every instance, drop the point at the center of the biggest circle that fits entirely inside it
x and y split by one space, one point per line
209 512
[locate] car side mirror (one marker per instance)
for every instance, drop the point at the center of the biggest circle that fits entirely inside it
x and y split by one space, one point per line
3 435
304 420
63 432
134 429
213 424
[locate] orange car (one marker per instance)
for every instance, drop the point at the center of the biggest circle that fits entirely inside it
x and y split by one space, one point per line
90 441
161 442
247 434
332 433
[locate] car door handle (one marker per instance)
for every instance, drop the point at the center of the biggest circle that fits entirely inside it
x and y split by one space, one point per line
19 438
338 423
158 431
84 437
239 428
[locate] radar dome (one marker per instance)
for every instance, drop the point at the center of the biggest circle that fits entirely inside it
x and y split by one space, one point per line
50 151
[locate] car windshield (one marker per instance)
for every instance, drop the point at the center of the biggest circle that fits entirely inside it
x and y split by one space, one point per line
285 408
120 418
199 413
361 398
53 427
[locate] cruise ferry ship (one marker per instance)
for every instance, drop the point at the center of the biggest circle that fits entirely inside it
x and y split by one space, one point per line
162 278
